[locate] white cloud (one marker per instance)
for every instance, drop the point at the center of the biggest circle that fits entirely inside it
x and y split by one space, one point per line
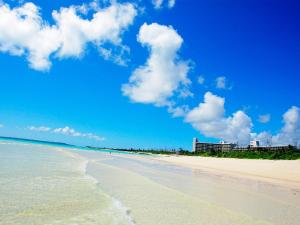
171 3
66 131
40 129
201 79
264 118
164 73
36 39
115 56
290 132
159 3
72 132
30 34
178 111
105 26
221 82
209 119
265 138
185 93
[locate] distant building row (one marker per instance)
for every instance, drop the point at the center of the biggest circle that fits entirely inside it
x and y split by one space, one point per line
226 147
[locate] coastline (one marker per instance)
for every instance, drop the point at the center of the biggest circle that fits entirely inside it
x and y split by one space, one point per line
278 172
46 184
196 192
99 187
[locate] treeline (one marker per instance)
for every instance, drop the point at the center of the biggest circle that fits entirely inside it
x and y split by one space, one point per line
253 155
143 151
289 153
151 151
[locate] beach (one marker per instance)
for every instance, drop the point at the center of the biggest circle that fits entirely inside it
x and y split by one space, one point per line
42 184
282 172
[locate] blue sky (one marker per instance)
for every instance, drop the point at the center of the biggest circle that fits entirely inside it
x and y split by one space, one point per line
246 53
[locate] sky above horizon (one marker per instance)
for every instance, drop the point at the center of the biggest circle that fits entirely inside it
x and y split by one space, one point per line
150 74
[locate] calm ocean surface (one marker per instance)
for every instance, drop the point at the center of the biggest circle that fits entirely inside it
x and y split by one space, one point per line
47 184
44 185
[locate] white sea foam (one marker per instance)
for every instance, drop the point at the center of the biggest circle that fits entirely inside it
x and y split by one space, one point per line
82 163
49 181
125 212
2 142
122 213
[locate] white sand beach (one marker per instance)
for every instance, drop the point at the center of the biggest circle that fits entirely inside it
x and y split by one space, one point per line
282 172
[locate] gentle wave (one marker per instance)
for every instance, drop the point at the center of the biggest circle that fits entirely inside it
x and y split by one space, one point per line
117 206
51 186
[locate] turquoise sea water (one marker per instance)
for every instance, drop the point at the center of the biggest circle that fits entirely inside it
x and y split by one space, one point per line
42 184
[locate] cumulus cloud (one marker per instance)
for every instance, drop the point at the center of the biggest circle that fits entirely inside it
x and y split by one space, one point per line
66 131
105 26
264 118
159 3
178 111
209 119
290 132
171 3
164 73
221 82
72 132
201 79
265 138
36 39
40 129
30 34
118 57
185 93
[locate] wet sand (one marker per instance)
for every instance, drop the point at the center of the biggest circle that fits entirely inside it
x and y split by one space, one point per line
159 192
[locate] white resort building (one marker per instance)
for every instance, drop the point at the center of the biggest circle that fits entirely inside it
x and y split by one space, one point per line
204 146
226 147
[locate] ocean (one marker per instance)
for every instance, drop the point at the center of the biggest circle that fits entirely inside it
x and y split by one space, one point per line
42 184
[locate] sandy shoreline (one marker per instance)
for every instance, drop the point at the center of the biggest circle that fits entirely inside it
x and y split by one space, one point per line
68 186
280 172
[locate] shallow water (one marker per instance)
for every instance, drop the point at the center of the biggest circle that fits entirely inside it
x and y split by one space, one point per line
160 193
52 185
45 185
